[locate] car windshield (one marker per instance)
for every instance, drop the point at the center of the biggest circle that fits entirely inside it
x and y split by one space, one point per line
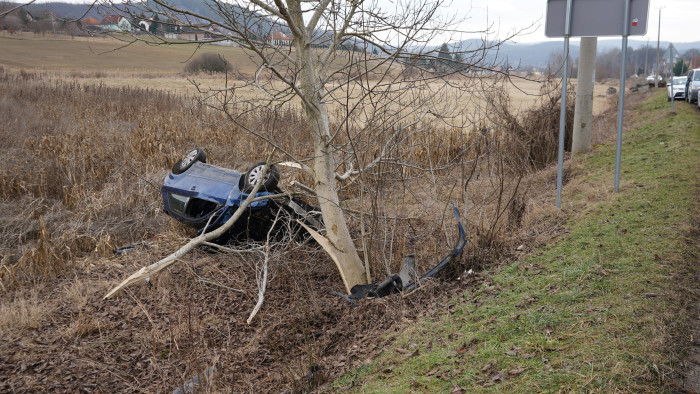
696 76
679 81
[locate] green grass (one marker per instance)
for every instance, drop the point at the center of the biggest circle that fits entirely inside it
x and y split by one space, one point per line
594 311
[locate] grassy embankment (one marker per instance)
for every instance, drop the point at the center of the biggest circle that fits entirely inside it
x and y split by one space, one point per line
601 309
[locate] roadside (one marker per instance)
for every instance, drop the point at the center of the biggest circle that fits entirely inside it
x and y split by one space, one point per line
608 307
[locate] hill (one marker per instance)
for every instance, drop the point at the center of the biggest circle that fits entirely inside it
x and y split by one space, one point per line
523 54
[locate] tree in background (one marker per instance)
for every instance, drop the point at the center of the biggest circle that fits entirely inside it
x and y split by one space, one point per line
12 23
687 55
155 25
680 68
555 66
444 59
23 15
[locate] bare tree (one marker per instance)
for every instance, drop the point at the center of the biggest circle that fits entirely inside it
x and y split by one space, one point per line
11 7
365 119
12 23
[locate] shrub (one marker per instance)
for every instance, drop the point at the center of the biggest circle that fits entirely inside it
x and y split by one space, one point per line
209 63
532 136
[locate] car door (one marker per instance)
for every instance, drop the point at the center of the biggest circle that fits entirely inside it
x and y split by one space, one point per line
687 85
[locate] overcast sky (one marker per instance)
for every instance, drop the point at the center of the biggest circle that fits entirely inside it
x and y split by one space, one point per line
676 16
505 16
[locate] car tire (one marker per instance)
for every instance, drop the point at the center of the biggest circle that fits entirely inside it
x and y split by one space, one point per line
193 156
252 176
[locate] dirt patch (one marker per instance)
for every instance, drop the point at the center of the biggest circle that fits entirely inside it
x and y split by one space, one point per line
155 336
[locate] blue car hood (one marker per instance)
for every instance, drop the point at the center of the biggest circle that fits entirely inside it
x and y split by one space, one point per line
205 181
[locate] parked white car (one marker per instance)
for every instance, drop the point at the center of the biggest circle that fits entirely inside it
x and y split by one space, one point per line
676 90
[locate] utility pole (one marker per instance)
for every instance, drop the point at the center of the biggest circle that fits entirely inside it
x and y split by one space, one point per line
583 111
646 57
658 40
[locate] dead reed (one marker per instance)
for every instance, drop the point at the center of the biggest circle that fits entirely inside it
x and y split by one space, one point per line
85 163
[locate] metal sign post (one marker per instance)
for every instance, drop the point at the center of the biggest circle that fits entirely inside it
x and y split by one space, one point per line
621 103
594 18
670 78
562 112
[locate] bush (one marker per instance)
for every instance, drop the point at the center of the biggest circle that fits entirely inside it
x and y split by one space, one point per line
209 63
532 136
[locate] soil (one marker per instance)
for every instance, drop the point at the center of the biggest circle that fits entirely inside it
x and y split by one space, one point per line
154 337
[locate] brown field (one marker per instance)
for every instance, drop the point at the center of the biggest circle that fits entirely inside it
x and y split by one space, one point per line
112 62
88 139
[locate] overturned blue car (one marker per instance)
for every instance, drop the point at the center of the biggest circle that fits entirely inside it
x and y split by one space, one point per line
205 196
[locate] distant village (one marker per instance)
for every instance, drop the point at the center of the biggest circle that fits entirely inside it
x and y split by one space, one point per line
48 22
641 61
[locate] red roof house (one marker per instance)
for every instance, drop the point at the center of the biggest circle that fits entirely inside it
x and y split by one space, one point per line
694 62
279 39
90 21
111 20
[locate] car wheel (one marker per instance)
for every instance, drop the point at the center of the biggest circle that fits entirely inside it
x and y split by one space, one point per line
254 175
193 156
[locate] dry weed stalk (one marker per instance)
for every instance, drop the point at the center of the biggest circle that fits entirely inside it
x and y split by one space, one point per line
90 171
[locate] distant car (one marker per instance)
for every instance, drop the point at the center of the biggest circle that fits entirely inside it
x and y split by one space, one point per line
676 90
205 196
692 85
656 81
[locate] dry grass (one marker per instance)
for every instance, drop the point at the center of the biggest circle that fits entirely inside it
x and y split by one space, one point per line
103 61
104 153
21 314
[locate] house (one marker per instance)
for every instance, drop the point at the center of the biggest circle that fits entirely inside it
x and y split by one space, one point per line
124 25
90 21
694 62
670 55
91 24
212 32
279 39
115 23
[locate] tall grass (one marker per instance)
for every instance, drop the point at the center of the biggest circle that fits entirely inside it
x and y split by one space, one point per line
84 164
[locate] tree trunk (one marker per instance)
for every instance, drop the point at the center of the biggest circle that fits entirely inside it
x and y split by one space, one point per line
349 264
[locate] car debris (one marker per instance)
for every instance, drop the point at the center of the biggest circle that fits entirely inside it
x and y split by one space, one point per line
407 277
131 248
205 196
